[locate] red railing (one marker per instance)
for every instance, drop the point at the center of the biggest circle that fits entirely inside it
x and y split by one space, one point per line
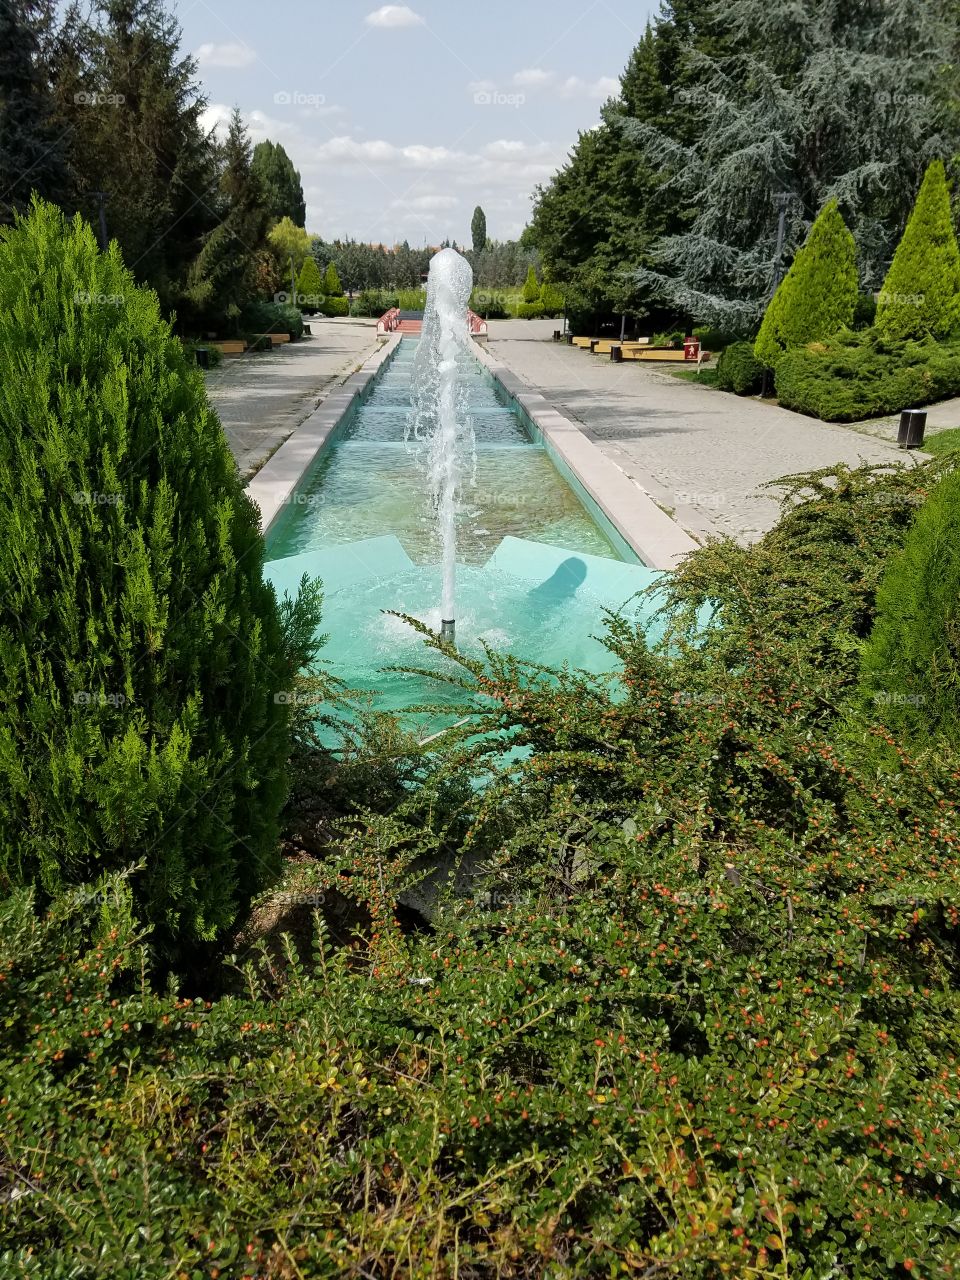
478 326
389 321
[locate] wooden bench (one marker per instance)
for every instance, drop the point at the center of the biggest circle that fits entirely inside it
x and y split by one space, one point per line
654 353
584 343
230 347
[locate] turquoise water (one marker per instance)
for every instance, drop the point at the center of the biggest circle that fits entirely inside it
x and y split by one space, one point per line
535 569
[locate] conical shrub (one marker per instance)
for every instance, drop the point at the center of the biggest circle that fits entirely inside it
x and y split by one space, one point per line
910 678
531 287
144 663
331 282
921 292
309 285
818 295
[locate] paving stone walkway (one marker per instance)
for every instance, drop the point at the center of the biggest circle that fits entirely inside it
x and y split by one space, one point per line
263 398
701 454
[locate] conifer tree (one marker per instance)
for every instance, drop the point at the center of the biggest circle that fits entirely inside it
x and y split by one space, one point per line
531 287
921 292
910 678
32 147
332 287
144 661
818 295
478 230
280 181
309 285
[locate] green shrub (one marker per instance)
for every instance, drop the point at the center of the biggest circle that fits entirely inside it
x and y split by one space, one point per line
257 342
739 370
713 340
529 310
141 650
309 286
412 299
214 354
272 317
921 292
492 304
531 287
865 375
865 312
551 299
699 1020
335 306
818 295
911 664
331 282
373 303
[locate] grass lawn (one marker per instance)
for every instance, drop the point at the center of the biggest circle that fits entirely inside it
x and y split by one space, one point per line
943 442
706 377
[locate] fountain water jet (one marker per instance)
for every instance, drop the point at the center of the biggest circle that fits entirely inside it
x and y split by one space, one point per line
439 417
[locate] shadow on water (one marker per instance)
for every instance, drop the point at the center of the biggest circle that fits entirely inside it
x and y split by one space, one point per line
562 585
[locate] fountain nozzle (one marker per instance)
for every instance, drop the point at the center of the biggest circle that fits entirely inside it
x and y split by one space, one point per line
448 632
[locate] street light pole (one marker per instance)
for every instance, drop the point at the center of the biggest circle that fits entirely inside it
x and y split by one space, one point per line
783 199
101 198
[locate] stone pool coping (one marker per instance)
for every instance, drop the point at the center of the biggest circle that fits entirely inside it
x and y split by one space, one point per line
273 485
658 541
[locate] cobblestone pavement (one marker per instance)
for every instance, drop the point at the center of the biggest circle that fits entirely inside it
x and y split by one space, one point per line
263 398
700 453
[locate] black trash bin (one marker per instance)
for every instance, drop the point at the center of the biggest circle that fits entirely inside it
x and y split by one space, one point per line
913 423
203 357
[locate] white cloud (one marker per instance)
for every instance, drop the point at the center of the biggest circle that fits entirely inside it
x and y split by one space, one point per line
533 77
392 16
427 204
225 55
605 87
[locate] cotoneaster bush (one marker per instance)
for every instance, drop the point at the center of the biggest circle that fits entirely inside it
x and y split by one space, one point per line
698 1019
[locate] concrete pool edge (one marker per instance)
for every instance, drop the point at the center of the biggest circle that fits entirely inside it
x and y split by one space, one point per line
658 541
274 484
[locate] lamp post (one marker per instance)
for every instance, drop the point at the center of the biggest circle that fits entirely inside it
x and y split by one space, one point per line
101 198
782 199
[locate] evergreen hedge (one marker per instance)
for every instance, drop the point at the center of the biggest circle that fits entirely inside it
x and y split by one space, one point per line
141 652
331 282
911 664
865 375
551 299
309 286
531 288
529 310
335 306
739 370
921 292
818 295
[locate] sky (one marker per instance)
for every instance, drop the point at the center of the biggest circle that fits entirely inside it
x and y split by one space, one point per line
402 118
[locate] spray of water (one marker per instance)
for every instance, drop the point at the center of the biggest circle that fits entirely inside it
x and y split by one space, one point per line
439 418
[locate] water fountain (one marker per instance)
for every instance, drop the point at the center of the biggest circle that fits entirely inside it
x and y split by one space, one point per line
439 419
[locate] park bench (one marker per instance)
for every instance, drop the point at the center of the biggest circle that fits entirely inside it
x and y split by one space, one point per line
230 346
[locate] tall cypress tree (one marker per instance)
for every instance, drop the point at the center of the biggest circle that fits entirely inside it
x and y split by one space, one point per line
143 660
32 146
478 230
921 292
818 295
280 181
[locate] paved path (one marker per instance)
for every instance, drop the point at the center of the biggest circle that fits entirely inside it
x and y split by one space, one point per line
263 398
701 454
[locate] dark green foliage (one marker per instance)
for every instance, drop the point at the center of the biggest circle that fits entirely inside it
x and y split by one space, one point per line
373 303
911 663
141 651
713 339
529 310
335 306
818 296
531 287
697 1020
478 230
225 275
280 182
921 292
864 375
272 317
32 147
739 370
331 282
865 312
